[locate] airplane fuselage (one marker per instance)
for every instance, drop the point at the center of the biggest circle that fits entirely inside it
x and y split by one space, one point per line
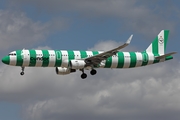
61 58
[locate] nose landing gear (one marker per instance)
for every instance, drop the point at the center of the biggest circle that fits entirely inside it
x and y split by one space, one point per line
22 73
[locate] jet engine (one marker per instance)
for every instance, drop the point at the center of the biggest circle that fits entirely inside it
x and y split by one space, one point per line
77 64
64 71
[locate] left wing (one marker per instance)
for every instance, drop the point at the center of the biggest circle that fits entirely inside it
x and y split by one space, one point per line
95 60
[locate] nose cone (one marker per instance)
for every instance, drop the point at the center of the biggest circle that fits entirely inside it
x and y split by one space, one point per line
5 60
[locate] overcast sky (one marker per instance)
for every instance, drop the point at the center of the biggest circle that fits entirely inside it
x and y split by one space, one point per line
146 93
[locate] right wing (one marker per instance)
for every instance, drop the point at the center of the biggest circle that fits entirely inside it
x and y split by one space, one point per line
95 60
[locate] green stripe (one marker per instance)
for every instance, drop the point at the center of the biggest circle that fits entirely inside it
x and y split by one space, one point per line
133 59
120 60
45 58
108 62
19 61
166 33
58 60
8 59
71 55
155 46
32 57
83 54
95 52
168 58
145 58
156 61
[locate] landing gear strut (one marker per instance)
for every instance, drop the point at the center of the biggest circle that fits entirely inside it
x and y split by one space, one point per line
22 73
83 75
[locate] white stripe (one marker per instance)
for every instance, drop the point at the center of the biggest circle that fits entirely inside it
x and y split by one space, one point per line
161 44
52 58
89 53
65 60
26 59
13 60
77 55
100 52
38 54
149 49
150 58
139 59
126 59
102 64
114 61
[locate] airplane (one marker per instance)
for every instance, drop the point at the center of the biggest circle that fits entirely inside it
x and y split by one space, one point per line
69 61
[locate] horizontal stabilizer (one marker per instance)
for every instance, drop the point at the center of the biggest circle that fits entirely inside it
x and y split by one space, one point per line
164 56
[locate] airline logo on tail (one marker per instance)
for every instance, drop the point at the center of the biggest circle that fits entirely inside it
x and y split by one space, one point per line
161 40
66 61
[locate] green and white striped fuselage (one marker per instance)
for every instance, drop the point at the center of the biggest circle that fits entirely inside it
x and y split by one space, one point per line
62 58
68 61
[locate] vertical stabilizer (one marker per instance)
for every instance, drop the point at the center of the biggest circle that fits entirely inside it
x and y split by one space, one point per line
158 46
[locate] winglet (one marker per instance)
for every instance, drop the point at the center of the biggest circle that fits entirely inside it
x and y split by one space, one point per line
125 44
129 40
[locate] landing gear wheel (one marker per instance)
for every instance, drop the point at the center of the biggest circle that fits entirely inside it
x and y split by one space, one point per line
22 73
93 72
84 75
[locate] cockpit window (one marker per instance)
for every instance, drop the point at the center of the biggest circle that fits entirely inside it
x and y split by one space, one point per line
12 54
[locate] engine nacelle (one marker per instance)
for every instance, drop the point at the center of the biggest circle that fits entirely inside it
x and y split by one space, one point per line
64 71
77 64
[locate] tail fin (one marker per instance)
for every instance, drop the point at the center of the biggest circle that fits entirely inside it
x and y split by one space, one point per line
158 46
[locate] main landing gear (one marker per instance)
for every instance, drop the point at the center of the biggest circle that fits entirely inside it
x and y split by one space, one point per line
84 75
93 72
22 73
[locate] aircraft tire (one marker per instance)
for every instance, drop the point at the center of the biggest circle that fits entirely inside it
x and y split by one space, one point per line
93 72
22 73
84 75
